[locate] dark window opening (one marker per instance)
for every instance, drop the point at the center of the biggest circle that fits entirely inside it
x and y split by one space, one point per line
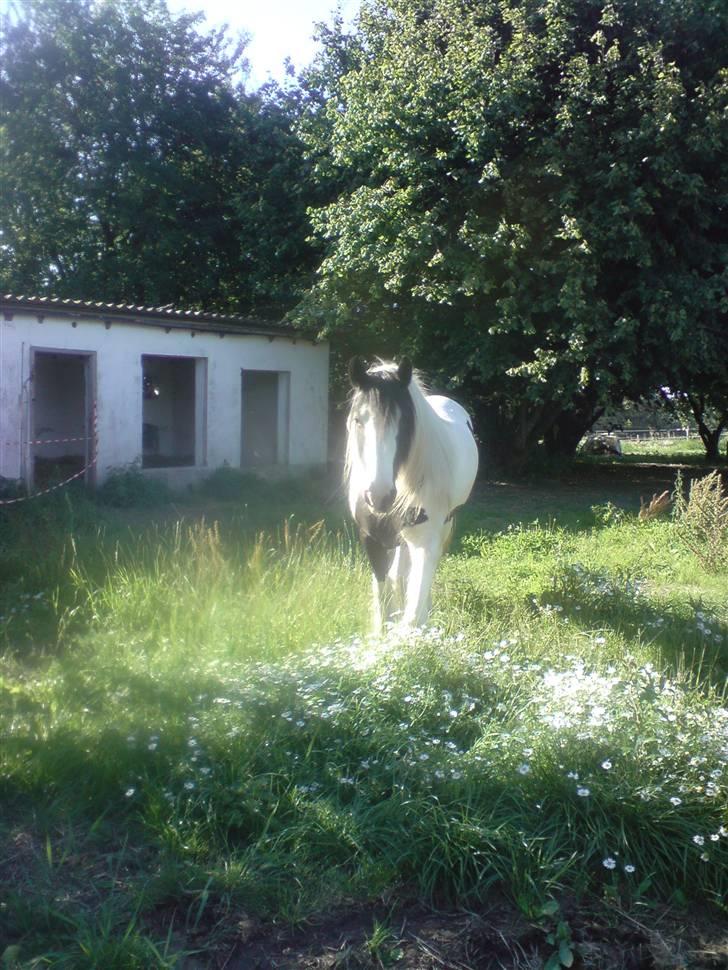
168 411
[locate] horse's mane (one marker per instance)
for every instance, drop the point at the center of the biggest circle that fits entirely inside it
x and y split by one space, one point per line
423 480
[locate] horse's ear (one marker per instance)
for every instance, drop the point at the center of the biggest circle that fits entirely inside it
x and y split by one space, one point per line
404 371
358 373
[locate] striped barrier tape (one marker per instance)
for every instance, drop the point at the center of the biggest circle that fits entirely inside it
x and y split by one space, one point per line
58 441
51 488
51 441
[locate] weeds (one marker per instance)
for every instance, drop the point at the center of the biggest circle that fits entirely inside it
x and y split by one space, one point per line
702 519
558 936
658 505
383 946
215 733
130 488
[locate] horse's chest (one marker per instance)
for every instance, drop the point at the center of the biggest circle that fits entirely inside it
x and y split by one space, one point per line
385 528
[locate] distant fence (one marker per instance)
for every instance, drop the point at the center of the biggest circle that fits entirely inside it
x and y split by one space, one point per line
663 434
642 434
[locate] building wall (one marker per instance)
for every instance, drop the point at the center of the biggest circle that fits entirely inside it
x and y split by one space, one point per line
117 363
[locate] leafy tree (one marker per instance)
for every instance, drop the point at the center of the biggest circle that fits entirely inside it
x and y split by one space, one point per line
135 168
707 406
534 199
712 421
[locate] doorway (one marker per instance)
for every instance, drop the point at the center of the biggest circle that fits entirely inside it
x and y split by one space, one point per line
61 440
264 418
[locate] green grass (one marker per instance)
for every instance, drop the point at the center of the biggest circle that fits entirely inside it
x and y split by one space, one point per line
195 724
689 451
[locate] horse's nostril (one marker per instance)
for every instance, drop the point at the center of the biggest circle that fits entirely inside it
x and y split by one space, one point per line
383 503
387 502
380 502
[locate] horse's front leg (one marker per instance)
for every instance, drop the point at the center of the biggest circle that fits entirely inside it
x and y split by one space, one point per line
425 548
398 573
380 559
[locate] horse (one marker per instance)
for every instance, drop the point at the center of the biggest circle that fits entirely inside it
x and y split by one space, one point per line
411 461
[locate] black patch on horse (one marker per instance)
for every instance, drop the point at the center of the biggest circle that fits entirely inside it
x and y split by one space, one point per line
382 527
380 535
380 558
385 393
414 516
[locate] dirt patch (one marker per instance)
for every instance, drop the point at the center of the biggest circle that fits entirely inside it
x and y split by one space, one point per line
494 938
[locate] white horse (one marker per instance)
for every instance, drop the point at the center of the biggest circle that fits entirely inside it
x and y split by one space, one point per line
411 460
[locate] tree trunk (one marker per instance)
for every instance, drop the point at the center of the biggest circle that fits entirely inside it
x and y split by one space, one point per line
711 442
508 441
564 435
709 436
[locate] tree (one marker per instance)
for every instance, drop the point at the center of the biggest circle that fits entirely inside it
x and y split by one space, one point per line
706 403
135 168
712 421
535 202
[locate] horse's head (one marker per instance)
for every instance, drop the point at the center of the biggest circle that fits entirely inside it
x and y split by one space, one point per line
380 427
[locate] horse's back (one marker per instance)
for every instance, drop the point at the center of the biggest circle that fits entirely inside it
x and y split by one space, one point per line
448 409
464 449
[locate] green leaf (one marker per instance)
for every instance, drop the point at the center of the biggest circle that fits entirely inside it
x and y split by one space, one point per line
566 955
550 908
644 886
10 956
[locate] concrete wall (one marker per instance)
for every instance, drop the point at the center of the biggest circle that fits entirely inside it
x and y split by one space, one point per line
116 368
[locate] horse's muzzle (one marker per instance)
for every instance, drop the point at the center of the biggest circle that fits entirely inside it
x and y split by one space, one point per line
380 503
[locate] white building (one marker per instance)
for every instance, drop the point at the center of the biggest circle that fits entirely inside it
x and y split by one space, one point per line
87 388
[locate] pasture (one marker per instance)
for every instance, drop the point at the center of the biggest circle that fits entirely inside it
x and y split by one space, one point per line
689 451
207 762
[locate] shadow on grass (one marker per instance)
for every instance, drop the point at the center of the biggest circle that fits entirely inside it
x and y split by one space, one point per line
567 502
691 639
255 786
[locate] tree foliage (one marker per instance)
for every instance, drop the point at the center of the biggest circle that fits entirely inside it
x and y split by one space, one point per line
134 166
534 199
527 196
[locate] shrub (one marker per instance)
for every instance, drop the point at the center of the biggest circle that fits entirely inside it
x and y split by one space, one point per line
229 484
126 488
11 488
702 519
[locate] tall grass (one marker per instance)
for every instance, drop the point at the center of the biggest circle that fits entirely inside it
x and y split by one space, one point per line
211 731
183 591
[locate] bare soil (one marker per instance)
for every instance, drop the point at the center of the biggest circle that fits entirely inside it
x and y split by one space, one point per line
496 937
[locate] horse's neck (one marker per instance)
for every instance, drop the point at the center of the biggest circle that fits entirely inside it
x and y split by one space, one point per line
424 480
